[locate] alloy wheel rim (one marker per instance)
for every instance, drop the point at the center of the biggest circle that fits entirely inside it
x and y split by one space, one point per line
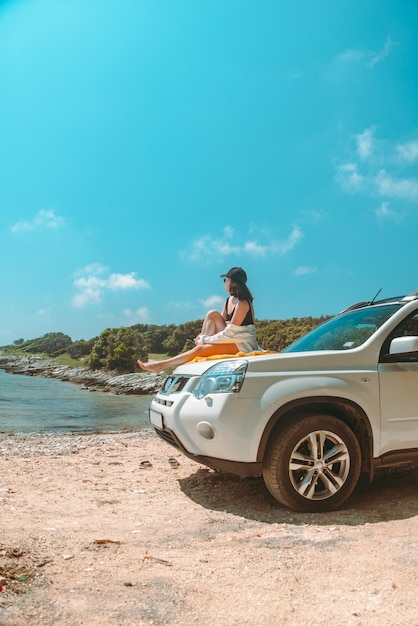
319 465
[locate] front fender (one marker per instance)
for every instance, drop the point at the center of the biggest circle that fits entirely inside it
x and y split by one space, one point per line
361 388
359 395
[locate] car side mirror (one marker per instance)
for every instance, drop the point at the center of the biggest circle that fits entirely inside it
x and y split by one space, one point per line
402 345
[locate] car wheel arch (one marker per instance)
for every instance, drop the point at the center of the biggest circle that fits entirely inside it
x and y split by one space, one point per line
347 411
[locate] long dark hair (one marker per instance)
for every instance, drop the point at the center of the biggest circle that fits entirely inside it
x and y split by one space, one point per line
240 290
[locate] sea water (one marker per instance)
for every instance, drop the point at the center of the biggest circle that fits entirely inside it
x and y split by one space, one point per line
36 404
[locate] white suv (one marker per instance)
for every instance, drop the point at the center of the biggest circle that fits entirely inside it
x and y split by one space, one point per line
339 402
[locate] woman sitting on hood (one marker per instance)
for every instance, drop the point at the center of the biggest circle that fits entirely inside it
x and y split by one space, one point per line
228 332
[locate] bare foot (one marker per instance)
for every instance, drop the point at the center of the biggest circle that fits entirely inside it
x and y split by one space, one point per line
151 366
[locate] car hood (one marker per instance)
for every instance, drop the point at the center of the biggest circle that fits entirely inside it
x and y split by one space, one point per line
293 361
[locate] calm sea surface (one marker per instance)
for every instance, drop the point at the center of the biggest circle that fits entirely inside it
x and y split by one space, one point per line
35 404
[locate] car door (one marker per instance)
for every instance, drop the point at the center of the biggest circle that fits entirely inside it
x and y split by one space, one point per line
398 380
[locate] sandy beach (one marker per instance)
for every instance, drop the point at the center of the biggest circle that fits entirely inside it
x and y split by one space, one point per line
120 529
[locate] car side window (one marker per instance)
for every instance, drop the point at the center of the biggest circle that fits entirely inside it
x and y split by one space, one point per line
392 352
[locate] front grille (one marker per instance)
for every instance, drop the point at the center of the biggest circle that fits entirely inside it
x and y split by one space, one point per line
174 384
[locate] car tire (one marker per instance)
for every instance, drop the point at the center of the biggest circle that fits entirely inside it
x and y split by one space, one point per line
312 463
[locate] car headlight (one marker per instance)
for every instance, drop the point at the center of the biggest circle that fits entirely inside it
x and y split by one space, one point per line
225 377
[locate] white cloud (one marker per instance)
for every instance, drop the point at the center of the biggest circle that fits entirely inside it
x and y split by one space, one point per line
228 232
365 142
44 314
206 248
312 215
349 177
371 170
210 249
179 305
377 57
45 218
293 239
275 247
408 151
93 281
350 56
117 282
138 316
303 270
384 212
212 302
256 249
368 58
387 185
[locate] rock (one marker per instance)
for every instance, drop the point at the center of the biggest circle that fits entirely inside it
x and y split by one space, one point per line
91 380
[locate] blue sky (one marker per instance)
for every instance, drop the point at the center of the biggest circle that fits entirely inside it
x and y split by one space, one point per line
146 146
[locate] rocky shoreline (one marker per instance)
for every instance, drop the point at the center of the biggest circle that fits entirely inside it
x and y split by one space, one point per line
90 380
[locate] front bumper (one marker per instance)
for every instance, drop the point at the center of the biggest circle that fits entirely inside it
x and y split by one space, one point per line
221 465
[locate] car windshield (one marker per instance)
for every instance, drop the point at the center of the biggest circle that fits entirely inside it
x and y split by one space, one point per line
346 330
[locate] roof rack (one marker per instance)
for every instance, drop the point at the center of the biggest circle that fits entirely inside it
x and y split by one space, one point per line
360 305
411 296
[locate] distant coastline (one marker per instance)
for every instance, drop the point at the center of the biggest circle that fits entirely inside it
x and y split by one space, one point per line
91 380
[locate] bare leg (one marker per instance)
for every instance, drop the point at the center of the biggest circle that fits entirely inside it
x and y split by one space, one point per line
213 323
207 349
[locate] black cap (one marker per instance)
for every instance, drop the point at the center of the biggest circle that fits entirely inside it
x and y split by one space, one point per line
237 274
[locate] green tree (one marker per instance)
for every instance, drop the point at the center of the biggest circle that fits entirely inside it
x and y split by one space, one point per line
121 359
181 339
278 334
51 344
80 348
118 349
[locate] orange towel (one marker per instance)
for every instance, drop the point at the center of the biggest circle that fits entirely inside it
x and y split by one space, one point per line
215 357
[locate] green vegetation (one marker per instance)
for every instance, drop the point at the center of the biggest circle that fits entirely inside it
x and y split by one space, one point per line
278 334
117 349
51 344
